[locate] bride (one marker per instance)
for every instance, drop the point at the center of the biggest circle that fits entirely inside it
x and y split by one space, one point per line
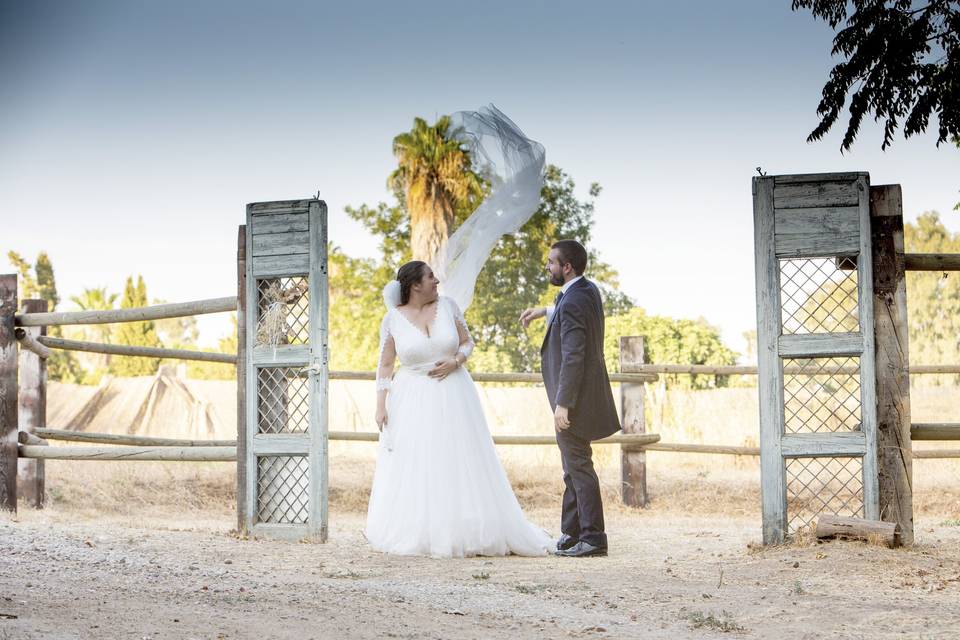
439 488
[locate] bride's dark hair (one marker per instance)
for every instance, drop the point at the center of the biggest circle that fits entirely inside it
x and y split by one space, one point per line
408 275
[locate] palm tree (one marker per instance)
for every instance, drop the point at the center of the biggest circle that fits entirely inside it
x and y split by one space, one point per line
435 175
95 299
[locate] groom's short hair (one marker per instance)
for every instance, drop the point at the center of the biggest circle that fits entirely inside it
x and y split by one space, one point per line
572 253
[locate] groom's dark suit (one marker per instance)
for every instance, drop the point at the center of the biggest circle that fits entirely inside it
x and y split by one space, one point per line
575 376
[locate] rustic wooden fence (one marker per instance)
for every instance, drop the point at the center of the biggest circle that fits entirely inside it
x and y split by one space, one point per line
25 436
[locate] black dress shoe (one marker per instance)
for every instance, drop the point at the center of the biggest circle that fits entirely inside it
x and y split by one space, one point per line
583 550
565 542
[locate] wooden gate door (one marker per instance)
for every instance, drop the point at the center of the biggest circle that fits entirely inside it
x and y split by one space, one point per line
818 424
285 457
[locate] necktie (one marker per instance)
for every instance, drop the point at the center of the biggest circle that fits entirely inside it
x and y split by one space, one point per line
556 301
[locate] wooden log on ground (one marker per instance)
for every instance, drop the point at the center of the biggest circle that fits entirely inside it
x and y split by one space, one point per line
123 439
155 312
894 448
127 350
31 474
932 261
25 437
112 452
633 460
29 342
832 526
8 393
935 431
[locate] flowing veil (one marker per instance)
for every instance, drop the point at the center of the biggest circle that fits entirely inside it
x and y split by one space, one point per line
514 166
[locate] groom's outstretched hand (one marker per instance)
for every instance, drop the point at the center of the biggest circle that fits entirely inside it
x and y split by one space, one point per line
561 418
529 315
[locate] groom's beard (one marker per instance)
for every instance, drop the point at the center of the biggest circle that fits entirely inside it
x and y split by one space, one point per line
556 281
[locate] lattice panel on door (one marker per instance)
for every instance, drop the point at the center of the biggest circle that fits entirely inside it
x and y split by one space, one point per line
822 485
819 295
821 395
283 489
283 403
283 311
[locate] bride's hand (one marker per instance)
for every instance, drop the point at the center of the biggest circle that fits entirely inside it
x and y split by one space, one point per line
529 315
444 368
381 419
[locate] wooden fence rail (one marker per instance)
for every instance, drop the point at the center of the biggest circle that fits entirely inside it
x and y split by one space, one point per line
127 350
116 452
229 453
638 374
155 312
932 261
357 436
935 431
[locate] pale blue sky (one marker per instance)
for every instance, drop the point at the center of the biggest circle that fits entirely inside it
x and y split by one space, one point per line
132 134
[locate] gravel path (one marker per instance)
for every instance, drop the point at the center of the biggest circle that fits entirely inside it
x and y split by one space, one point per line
668 576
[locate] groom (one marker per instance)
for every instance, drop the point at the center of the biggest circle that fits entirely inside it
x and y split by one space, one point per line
575 376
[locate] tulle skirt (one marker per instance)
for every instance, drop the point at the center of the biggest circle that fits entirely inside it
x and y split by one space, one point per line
439 488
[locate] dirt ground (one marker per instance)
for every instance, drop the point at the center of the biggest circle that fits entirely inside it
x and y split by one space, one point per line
178 570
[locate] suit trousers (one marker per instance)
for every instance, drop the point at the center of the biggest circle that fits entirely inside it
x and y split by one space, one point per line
582 514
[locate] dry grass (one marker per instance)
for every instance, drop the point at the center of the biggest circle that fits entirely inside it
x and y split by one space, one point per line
692 484
128 489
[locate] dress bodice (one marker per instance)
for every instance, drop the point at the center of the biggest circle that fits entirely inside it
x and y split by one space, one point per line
414 347
417 351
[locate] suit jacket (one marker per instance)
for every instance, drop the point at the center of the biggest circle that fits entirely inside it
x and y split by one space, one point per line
573 366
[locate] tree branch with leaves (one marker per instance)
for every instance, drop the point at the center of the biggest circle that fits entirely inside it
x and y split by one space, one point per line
902 66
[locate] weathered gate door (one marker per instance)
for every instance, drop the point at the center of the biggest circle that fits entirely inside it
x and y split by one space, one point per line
286 369
818 427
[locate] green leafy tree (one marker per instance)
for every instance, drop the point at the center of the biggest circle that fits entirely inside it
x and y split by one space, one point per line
26 280
514 276
142 334
214 370
46 281
673 341
933 300
356 309
435 176
62 366
956 207
94 299
177 333
901 66
512 279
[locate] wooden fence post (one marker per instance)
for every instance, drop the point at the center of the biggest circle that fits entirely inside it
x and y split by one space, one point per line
633 461
241 378
8 392
33 408
894 448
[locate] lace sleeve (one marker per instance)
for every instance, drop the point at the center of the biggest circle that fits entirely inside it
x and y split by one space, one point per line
466 340
388 356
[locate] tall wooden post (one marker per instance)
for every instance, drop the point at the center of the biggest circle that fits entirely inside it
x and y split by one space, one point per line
633 461
8 392
33 408
241 378
894 452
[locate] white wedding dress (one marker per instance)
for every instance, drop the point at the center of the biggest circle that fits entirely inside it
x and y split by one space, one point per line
439 488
